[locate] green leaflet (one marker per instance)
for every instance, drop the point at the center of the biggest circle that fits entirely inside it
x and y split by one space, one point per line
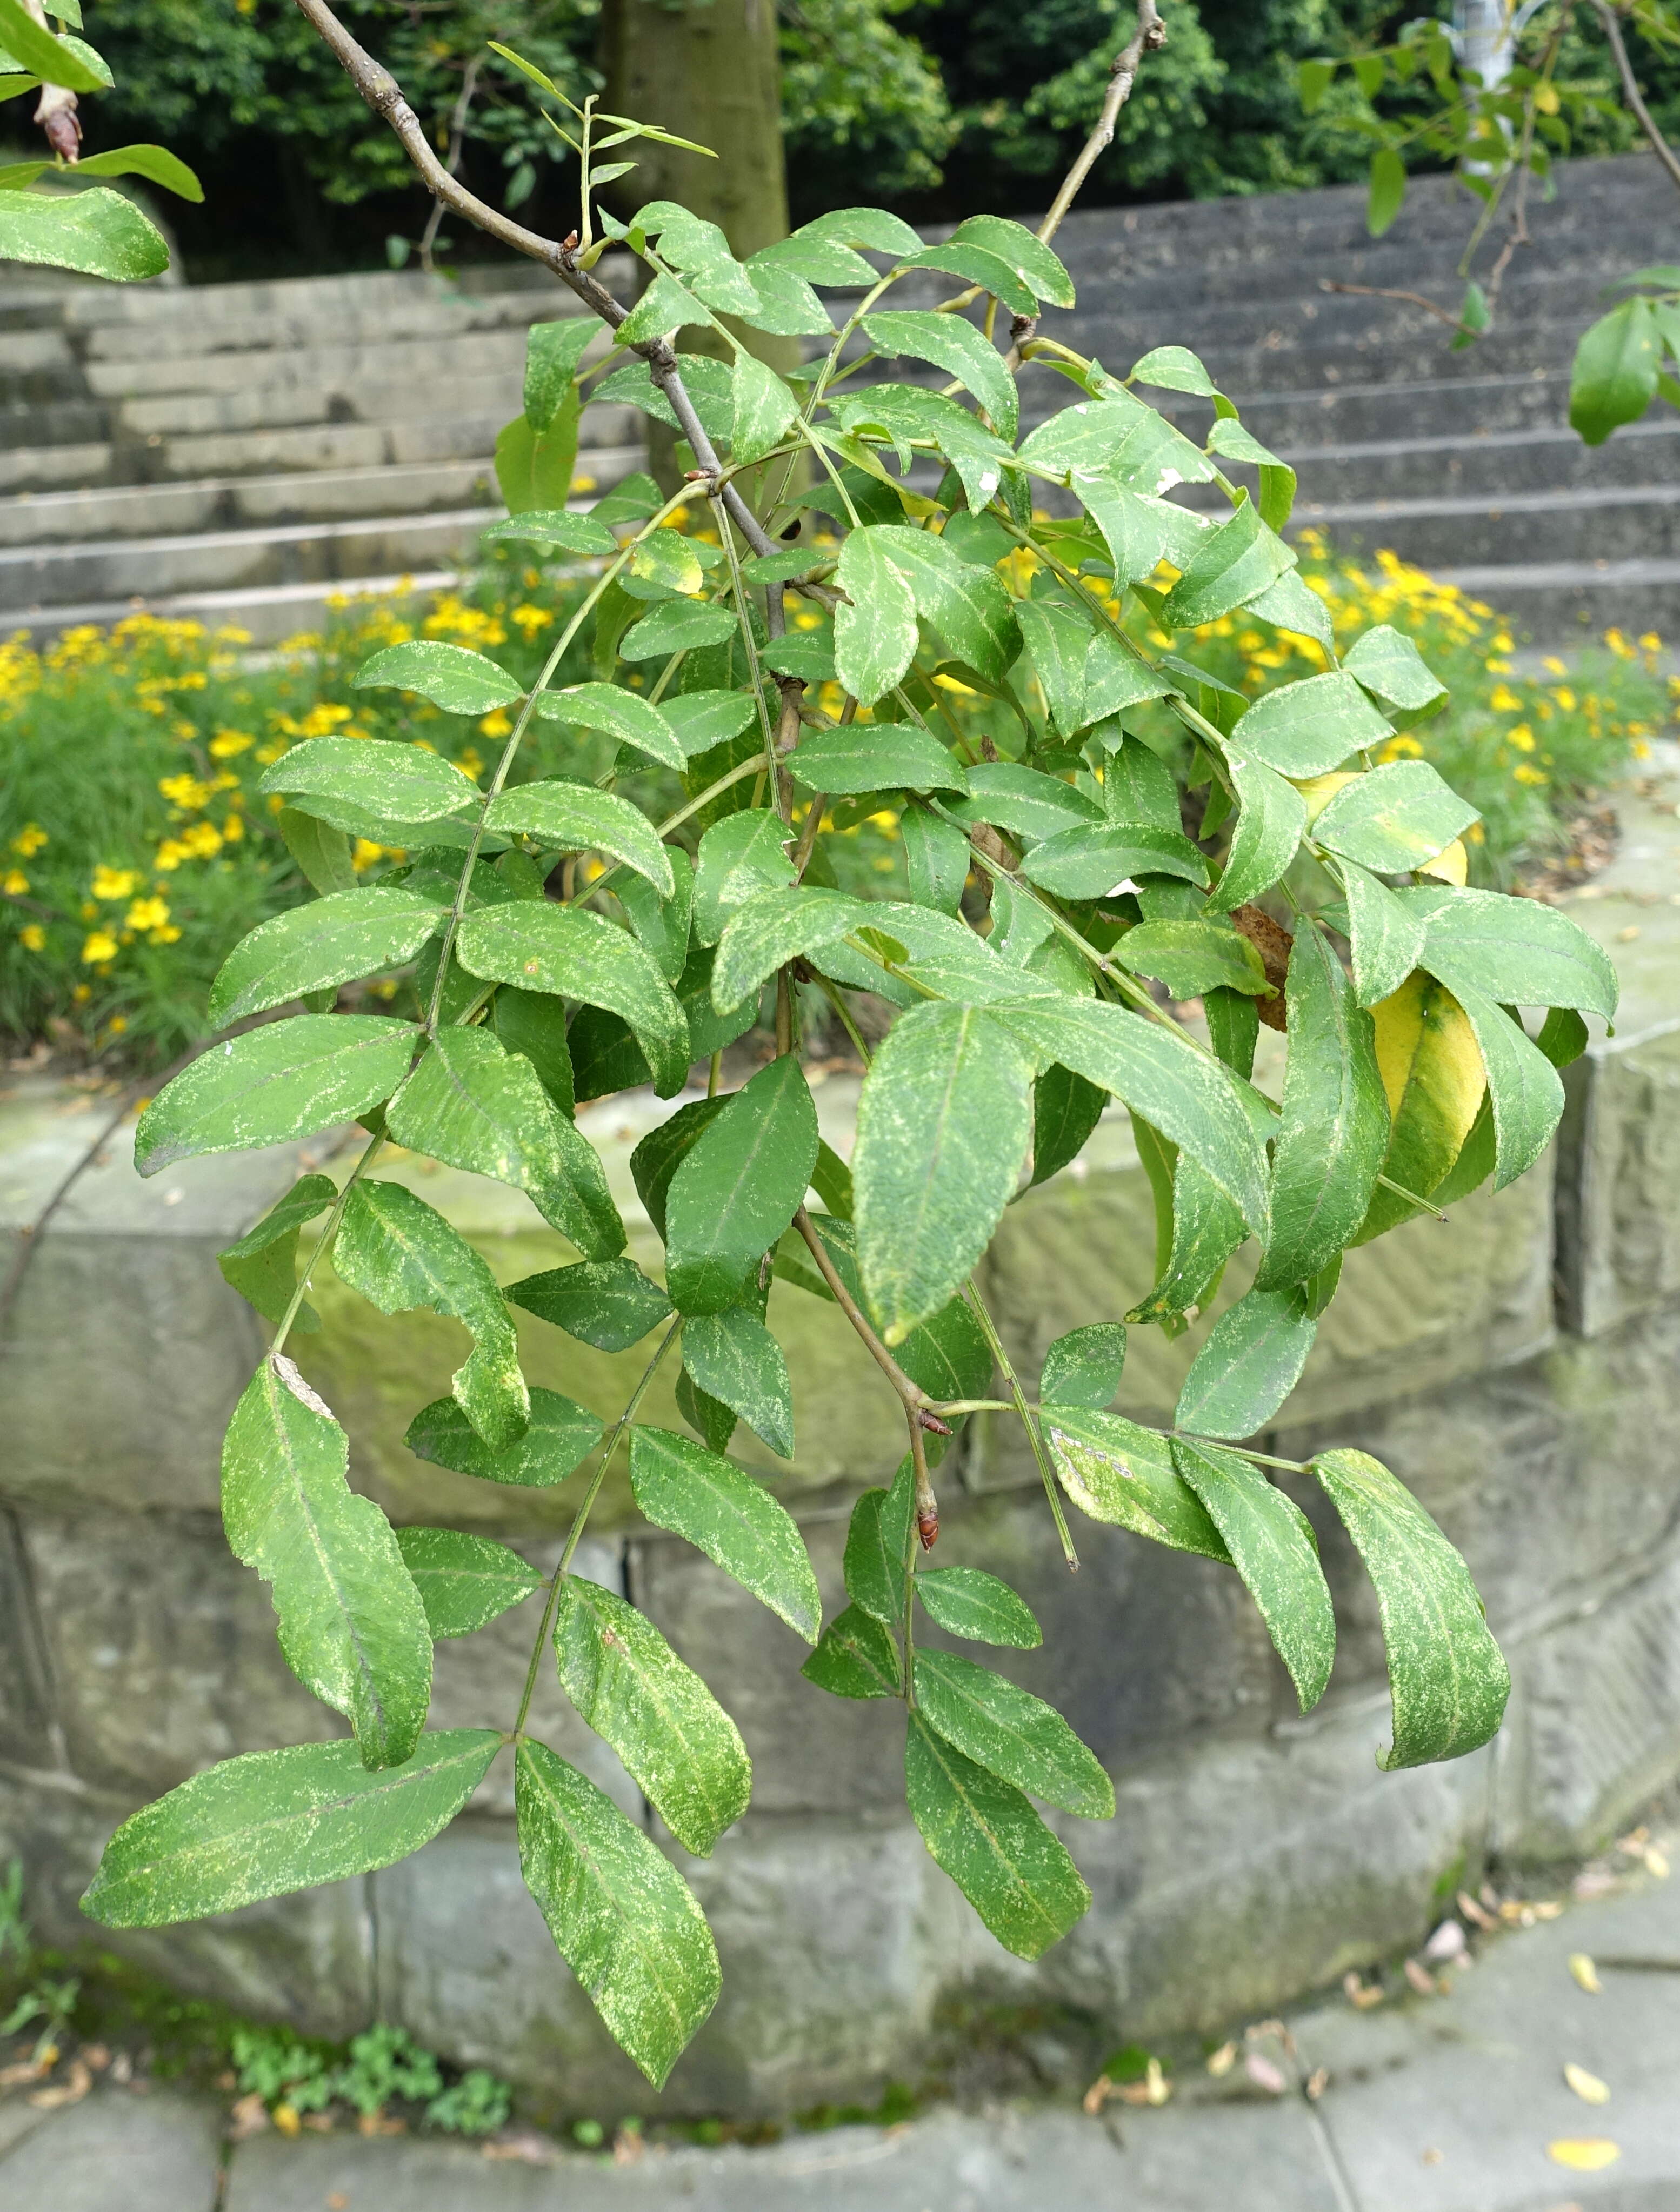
1087 437
1015 1874
1447 1677
610 1303
729 1516
289 1079
1137 784
352 1627
1134 529
262 1266
877 1556
1615 369
1390 665
775 927
968 1601
1119 1473
944 1122
345 780
620 715
575 817
97 232
276 1821
577 955
321 852
1095 859
1192 1100
398 1253
1307 728
1512 950
561 1436
1020 249
1206 1229
1335 1128
1273 1548
462 1580
1057 641
669 559
1173 368
864 756
473 1105
960 350
855 1658
1084 1367
532 1025
663 924
1023 800
621 1915
704 719
1393 818
663 1150
552 352
1524 1088
874 631
1267 836
975 264
966 604
1231 440
764 411
733 1357
533 468
460 682
674 1738
1066 1109
1010 1733
1249 1365
742 856
554 528
677 626
711 1420
737 1189
1233 564
1193 956
1384 935
312 948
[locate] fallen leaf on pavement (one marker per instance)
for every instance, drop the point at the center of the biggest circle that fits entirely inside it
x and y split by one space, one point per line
377 2124
337 2202
1656 1862
1474 1912
1265 2075
1420 1978
1584 2153
286 2118
1447 1943
1221 2062
1153 2089
1360 1995
1432 2157
30 2069
1316 2083
526 2147
1587 2086
250 2117
71 2091
1091 2103
1586 1973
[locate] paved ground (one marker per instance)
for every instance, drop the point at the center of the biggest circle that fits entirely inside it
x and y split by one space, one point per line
1452 2103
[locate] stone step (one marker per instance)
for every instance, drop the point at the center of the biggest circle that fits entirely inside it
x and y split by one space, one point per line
268 612
1589 527
1488 463
1565 602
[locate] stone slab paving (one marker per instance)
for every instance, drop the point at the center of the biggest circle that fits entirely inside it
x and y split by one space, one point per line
118 2151
1441 2104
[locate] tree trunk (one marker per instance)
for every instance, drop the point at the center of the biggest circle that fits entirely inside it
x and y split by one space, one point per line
709 69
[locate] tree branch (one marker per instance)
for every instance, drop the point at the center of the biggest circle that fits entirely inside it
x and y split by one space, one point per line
1630 91
1148 38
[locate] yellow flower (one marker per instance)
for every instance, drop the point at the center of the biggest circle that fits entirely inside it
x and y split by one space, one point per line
99 945
15 883
33 937
1618 645
495 724
365 854
270 753
117 1026
114 883
150 912
1504 700
1553 666
227 743
1525 772
167 934
232 829
171 852
81 993
29 840
1565 698
202 840
1522 737
1651 642
186 792
532 619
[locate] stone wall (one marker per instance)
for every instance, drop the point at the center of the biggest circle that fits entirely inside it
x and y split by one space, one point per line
1518 1366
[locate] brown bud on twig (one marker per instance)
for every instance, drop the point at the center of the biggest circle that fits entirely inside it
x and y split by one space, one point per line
926 1526
1272 942
63 132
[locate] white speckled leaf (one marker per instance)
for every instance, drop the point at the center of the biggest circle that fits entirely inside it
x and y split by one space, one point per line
575 817
379 776
1447 1677
732 1517
1011 1733
464 1581
1273 1548
734 1359
737 1187
451 677
622 1918
290 1079
400 1253
674 1738
352 1627
276 1821
337 939
263 1266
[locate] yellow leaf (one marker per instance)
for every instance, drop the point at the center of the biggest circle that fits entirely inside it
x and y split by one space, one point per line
286 2119
1656 1862
1587 2086
1318 791
1451 867
1586 1973
1432 1074
1584 2153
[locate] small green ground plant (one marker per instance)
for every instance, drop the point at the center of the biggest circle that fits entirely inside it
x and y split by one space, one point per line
1010 1023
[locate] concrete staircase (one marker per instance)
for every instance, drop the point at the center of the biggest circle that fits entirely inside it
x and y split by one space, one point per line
240 451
